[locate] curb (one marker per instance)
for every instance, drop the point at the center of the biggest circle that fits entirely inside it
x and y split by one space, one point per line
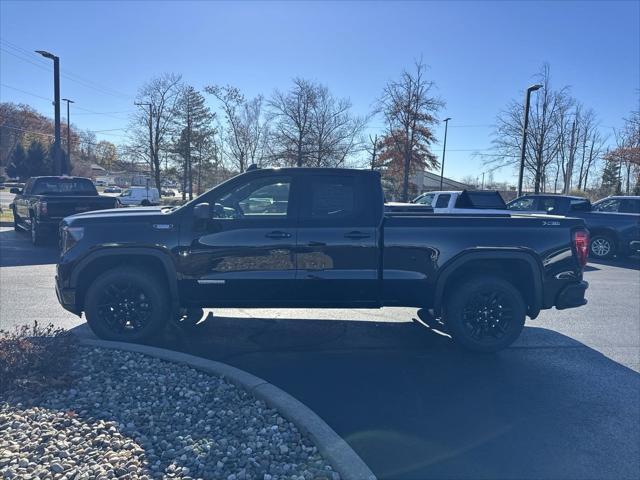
331 446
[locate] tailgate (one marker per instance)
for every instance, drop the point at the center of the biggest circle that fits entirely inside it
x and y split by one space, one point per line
60 207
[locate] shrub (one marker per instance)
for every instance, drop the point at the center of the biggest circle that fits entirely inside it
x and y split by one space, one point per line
33 357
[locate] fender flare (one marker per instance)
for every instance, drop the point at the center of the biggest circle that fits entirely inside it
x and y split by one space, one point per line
160 254
493 254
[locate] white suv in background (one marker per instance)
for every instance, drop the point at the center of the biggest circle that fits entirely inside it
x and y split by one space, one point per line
144 196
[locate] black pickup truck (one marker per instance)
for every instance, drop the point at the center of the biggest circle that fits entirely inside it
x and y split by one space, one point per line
45 201
317 238
612 232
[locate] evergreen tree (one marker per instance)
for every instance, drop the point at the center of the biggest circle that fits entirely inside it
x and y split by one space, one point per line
195 117
611 183
18 163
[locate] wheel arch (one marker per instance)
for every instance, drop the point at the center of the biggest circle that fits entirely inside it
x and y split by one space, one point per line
604 231
157 261
521 268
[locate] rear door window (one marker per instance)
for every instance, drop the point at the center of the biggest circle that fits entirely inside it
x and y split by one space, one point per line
629 205
580 205
336 200
549 205
443 200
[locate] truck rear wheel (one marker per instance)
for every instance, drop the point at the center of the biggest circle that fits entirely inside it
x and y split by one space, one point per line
127 305
485 314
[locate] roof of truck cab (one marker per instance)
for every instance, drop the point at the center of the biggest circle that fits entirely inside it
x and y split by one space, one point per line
60 177
325 170
553 195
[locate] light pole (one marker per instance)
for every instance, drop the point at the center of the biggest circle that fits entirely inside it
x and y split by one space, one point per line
532 88
444 149
68 130
56 88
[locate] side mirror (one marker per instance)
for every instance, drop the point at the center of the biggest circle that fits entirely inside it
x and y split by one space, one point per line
15 190
202 211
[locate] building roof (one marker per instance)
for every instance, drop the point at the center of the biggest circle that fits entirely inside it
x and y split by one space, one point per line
432 180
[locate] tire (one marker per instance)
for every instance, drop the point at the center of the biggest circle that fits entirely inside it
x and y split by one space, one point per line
16 224
485 314
602 247
36 233
127 305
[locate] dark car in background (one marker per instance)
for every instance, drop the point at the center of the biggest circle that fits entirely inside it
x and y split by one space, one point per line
45 201
613 223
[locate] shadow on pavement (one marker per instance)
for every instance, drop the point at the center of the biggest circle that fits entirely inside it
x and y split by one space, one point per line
632 262
16 250
414 406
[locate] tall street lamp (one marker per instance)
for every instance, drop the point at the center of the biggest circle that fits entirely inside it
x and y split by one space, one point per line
68 131
532 88
56 88
444 149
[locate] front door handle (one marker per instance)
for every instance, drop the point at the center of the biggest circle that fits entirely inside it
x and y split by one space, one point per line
357 234
278 234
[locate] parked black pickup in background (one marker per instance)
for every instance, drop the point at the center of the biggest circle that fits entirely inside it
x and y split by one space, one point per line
317 238
45 201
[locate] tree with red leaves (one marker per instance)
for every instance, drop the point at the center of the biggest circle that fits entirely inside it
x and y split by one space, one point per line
409 109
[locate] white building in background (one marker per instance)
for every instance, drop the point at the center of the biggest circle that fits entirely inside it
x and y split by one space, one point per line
430 182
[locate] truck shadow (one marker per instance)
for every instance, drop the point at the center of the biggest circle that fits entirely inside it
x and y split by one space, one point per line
16 250
632 262
414 406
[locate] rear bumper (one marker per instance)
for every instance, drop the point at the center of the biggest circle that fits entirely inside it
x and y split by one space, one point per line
66 297
572 296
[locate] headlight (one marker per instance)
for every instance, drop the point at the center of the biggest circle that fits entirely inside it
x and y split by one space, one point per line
71 236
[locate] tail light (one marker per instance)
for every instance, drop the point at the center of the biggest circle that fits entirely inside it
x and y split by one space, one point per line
42 208
581 244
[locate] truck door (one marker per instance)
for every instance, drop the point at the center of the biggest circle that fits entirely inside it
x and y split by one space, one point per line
337 248
245 253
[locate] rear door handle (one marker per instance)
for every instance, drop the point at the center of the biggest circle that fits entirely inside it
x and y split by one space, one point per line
278 234
357 235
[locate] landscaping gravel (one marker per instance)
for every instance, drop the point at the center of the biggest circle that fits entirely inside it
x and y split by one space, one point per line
127 415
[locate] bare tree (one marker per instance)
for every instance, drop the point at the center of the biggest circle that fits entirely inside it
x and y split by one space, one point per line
372 148
410 108
153 123
245 125
291 114
546 121
334 131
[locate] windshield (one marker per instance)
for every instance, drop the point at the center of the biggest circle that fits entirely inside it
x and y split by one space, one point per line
64 186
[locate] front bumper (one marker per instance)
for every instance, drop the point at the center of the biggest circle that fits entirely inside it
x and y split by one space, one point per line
572 295
66 297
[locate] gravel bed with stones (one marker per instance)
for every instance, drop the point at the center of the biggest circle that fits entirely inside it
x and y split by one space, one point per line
127 415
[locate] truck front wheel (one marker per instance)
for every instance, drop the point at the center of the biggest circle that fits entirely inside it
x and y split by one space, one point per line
37 238
485 314
602 246
126 304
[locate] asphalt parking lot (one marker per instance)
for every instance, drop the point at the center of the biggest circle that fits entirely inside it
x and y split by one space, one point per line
564 402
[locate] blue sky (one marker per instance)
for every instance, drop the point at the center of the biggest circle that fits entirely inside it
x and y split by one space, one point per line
481 55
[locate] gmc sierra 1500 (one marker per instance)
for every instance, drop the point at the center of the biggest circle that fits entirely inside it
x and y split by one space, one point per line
307 237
